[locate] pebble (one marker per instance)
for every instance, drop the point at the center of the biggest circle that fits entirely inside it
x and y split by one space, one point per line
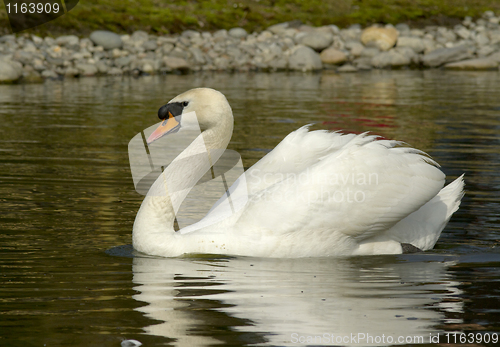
237 33
471 45
317 40
68 40
347 68
106 39
473 64
333 56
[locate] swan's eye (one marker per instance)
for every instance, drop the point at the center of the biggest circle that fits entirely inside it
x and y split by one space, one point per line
185 103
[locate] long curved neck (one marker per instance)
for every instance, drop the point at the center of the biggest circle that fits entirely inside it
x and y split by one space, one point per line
154 224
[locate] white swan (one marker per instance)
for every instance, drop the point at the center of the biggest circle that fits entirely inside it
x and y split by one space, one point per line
316 194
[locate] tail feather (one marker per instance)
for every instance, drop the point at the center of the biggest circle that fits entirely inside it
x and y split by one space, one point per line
423 227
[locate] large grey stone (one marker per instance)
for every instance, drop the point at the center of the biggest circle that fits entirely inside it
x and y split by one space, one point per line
485 51
462 31
406 51
473 64
197 55
495 57
106 39
369 52
122 61
102 67
317 40
150 45
10 71
482 39
175 63
279 63
442 56
352 34
304 59
415 43
87 69
445 36
390 59
355 47
494 37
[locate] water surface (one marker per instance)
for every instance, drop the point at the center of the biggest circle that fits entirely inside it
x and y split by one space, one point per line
67 201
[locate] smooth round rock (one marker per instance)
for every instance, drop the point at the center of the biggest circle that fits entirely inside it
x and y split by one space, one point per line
10 71
304 59
317 40
237 33
382 38
106 39
67 40
333 56
175 63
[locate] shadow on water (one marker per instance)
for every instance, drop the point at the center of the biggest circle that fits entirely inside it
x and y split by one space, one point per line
67 200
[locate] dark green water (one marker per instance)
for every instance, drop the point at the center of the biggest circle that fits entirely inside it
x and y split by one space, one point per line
67 201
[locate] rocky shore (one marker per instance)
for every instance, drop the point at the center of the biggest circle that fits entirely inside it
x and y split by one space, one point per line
291 46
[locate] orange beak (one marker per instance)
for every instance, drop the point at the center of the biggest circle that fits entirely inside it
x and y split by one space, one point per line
169 125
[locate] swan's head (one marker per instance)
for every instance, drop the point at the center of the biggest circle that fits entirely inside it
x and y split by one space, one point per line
211 108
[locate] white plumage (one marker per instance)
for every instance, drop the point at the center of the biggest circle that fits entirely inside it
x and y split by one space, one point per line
317 193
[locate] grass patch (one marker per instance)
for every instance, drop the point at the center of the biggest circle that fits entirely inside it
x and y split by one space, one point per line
159 16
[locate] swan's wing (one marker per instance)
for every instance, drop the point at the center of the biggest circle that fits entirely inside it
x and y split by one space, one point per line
297 151
362 188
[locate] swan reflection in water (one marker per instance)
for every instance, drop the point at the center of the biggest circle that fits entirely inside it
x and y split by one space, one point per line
256 301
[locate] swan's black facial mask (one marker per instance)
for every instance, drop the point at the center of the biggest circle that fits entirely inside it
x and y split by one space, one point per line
171 115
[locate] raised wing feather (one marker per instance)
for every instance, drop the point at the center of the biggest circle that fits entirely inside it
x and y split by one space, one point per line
297 151
357 186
